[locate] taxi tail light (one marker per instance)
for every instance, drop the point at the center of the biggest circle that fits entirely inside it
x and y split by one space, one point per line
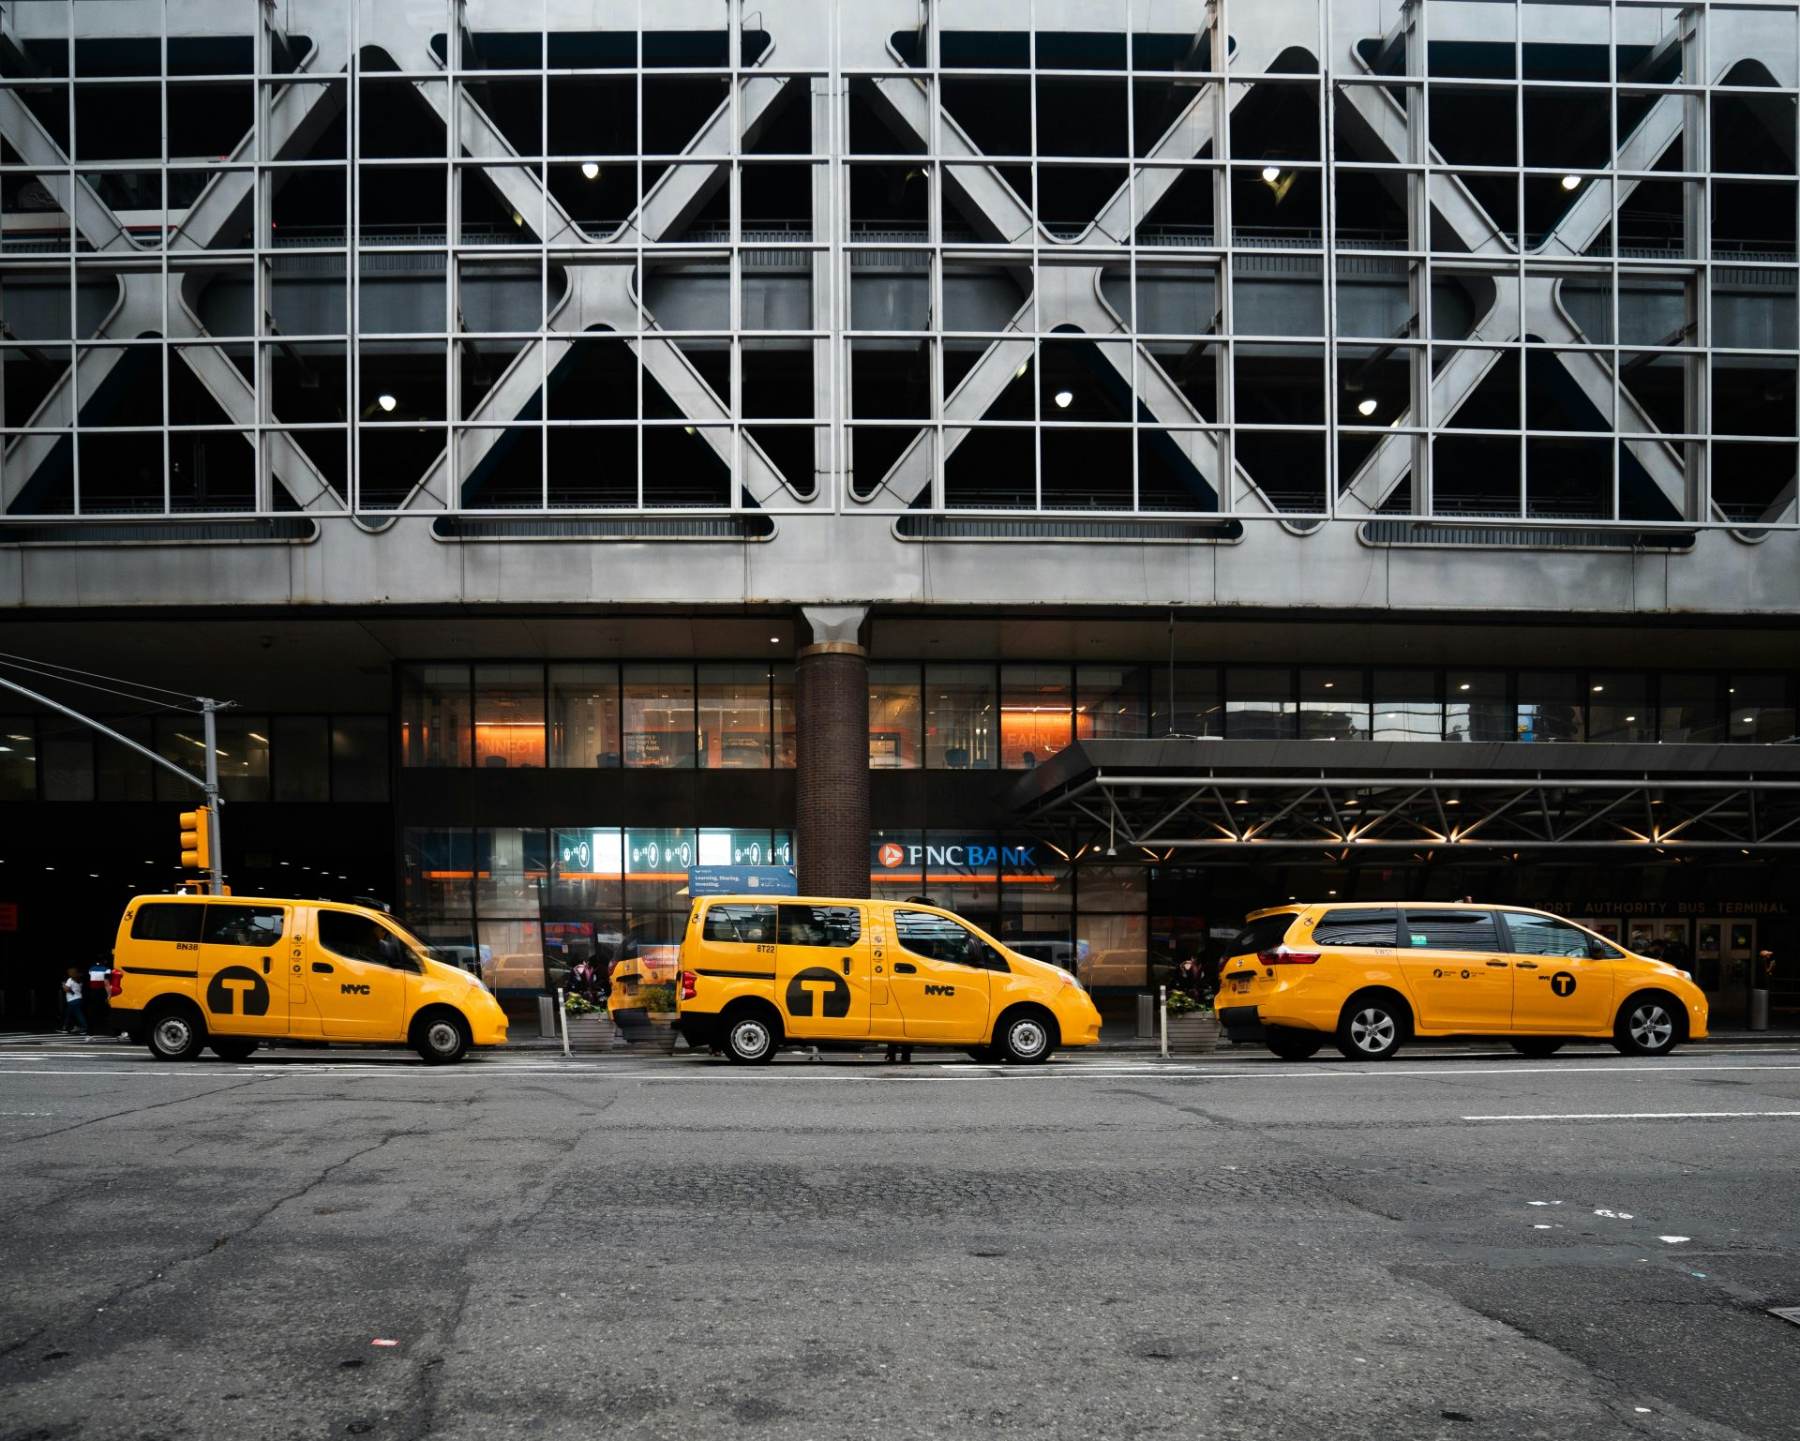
1282 956
689 980
115 983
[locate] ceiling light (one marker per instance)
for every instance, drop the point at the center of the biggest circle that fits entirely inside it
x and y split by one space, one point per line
1366 406
1064 399
386 401
1270 174
774 640
590 170
1453 799
1571 182
517 218
1329 684
1629 719
1598 689
1243 797
1024 365
1463 686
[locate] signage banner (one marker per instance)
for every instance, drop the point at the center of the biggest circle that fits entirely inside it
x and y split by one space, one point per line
742 880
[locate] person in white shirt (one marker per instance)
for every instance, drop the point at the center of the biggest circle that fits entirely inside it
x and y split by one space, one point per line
74 1017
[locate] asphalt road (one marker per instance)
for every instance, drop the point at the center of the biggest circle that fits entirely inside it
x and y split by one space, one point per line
1464 1246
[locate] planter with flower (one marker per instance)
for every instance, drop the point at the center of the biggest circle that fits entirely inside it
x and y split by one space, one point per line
1193 1028
590 1027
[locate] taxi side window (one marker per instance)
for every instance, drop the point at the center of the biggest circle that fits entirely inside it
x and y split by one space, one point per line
167 923
747 925
357 938
243 925
821 925
1451 931
1542 936
1356 928
939 938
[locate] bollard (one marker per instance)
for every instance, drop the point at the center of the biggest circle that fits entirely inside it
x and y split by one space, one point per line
562 1018
1162 1019
1759 1009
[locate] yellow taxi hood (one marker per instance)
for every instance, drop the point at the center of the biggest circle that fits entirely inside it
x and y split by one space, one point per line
1043 970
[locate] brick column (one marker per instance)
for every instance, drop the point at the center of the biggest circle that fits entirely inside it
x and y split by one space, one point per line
831 821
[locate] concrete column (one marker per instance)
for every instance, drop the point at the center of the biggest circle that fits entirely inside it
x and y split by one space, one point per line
831 820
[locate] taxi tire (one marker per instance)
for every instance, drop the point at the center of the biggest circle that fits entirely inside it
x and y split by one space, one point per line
1377 1015
1293 1045
1635 1021
1537 1050
233 1050
440 1036
175 1033
1026 1036
738 1030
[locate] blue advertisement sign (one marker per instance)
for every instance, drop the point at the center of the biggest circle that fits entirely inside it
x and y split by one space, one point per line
742 880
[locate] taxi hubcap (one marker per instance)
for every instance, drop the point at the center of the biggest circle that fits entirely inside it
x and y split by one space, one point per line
172 1035
1027 1038
1372 1030
750 1039
442 1037
1651 1026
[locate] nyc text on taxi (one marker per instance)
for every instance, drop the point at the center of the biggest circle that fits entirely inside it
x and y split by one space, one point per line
1370 976
197 971
756 973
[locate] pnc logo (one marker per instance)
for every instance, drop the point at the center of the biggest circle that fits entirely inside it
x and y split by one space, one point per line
940 990
237 991
350 990
834 1002
892 854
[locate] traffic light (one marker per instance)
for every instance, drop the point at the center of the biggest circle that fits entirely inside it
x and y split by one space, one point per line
196 839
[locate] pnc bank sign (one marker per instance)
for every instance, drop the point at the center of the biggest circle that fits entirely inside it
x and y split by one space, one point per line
974 856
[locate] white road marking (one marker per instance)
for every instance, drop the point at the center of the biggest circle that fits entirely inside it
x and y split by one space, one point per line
1638 1116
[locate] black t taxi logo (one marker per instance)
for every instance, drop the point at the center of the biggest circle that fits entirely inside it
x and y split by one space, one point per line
1563 983
237 991
809 983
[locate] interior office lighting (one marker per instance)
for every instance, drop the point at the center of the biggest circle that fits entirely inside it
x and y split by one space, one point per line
1571 182
1271 174
590 170
1366 406
1064 399
386 401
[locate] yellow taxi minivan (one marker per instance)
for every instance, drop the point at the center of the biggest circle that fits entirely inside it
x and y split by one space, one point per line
1369 977
192 972
758 973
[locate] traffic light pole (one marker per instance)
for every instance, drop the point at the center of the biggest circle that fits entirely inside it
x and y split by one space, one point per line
209 710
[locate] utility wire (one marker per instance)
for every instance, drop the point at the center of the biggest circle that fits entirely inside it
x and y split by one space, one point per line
94 674
70 680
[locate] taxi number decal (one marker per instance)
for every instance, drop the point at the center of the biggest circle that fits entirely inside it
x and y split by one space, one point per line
763 950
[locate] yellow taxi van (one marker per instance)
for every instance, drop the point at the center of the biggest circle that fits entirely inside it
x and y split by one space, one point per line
757 973
1369 977
191 972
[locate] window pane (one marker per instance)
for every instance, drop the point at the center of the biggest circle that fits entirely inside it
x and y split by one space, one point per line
1034 714
959 717
740 925
782 686
1619 708
1196 709
179 741
588 870
1356 928
434 715
1690 709
356 938
734 716
68 766
1112 951
896 865
1541 936
1263 934
1110 701
301 747
1259 704
509 716
1407 706
1760 708
167 922
939 938
437 874
584 715
1333 705
1475 707
656 867
659 716
359 758
894 707
245 925
512 955
510 867
121 773
1549 706
1451 931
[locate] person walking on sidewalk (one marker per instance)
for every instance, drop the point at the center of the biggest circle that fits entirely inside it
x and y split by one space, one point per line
74 1016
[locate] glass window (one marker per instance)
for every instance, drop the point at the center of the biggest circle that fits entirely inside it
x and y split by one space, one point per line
510 868
244 925
243 745
740 925
511 954
959 717
1619 707
120 773
1034 714
584 715
1334 705
1475 707
1110 702
894 711
300 748
354 937
437 872
509 716
1691 709
821 925
659 716
359 758
781 685
68 766
734 717
434 715
168 921
1760 708
939 938
1450 931
1112 951
1195 709
1407 706
1356 928
1549 706
588 869
1543 936
1035 879
1259 703
656 869
1113 887
179 740
1262 934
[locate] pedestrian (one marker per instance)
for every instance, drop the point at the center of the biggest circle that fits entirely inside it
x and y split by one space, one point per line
900 1054
1190 976
74 1017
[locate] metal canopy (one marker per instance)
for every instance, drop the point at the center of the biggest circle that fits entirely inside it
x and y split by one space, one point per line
1183 796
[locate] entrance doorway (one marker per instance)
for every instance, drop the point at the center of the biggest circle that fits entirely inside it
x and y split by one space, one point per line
1724 960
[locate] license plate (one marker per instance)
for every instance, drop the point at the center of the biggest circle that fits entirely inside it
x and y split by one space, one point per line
1240 985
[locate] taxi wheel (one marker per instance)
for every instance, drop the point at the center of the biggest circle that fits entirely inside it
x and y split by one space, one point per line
1372 1027
440 1038
752 1036
234 1050
1537 1050
1027 1037
1293 1045
177 1034
1647 1026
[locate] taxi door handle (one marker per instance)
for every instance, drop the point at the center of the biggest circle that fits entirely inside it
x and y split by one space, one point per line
265 965
323 967
905 968
846 965
1500 964
1527 965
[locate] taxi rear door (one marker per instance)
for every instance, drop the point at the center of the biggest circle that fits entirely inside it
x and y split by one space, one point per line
822 970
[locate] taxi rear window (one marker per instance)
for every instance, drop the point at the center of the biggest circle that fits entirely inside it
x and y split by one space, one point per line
1356 928
1263 934
747 924
170 921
